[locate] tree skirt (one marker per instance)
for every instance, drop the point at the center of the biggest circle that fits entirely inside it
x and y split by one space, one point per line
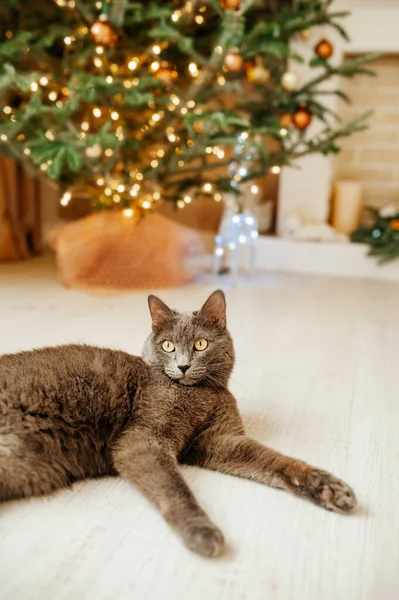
109 251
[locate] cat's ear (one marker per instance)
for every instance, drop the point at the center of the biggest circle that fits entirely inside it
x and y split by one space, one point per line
160 313
215 308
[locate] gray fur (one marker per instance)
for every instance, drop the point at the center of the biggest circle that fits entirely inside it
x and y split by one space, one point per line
73 412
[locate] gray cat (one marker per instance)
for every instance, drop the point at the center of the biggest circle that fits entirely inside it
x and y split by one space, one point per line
72 412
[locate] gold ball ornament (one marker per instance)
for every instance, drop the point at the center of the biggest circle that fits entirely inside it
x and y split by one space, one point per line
324 49
302 118
234 61
103 34
230 4
257 73
290 81
93 151
306 34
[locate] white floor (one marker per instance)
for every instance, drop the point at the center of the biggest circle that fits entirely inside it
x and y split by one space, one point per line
316 376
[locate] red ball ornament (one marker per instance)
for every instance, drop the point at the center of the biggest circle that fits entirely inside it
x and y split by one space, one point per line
230 4
234 61
324 49
302 118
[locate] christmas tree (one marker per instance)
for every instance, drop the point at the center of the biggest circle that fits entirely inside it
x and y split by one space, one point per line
143 102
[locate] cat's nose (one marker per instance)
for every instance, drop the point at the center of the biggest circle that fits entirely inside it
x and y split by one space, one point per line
184 368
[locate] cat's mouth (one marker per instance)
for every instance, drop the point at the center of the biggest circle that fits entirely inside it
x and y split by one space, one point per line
188 378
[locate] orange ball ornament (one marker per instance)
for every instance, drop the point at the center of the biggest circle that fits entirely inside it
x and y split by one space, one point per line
302 118
234 61
394 224
166 73
198 126
285 120
230 4
324 49
103 34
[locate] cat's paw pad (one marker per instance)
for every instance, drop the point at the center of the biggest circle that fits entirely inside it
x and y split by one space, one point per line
330 492
205 540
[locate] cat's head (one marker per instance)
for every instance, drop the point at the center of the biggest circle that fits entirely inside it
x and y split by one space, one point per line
191 347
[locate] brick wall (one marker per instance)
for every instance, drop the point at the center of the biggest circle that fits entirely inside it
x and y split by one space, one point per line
372 156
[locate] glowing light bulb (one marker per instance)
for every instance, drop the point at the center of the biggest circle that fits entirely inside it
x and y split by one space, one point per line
207 187
156 117
116 198
52 96
114 115
100 50
121 188
7 110
221 80
199 19
217 197
160 152
49 135
192 67
65 199
85 126
254 189
97 62
67 40
100 181
191 104
209 149
175 99
156 49
276 169
3 137
176 16
154 163
108 152
108 191
283 131
187 199
146 204
97 112
133 192
27 151
184 110
181 203
43 80
128 212
132 64
33 86
154 66
156 196
139 177
109 79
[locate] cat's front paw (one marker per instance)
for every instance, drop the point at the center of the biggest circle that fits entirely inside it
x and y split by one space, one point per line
206 540
329 491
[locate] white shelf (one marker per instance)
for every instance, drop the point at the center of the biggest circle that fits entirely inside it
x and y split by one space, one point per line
344 260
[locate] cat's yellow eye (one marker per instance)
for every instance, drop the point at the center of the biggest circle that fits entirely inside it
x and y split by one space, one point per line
168 346
200 344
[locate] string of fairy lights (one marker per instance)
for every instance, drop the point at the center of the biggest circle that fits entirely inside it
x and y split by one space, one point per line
121 182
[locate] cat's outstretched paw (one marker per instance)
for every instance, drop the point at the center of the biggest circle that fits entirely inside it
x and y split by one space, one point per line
329 491
206 540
